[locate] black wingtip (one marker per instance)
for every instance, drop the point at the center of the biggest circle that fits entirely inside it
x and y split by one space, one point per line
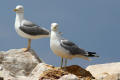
92 54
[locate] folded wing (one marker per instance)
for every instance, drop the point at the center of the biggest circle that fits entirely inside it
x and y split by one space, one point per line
33 29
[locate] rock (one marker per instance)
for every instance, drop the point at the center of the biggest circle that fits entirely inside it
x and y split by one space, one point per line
112 77
18 65
38 70
48 72
69 77
78 71
15 63
101 71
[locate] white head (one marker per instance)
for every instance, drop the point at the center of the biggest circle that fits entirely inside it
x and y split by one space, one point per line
19 9
54 27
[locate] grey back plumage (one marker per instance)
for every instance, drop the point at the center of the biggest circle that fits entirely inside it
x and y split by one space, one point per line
33 29
72 47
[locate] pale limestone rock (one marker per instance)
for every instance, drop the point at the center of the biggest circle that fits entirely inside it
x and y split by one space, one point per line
103 70
69 77
112 77
38 70
16 64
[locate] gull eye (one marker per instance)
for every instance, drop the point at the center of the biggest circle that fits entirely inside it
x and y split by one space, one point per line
20 8
55 27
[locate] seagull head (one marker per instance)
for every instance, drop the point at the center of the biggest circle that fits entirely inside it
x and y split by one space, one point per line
19 9
54 27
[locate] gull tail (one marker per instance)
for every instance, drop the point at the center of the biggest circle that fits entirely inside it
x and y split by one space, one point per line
91 54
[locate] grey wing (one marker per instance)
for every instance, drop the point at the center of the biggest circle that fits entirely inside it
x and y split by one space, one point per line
72 48
28 23
33 29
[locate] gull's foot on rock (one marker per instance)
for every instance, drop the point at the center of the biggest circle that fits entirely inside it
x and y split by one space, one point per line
25 49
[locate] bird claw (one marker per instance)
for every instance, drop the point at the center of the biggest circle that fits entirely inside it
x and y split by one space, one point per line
25 49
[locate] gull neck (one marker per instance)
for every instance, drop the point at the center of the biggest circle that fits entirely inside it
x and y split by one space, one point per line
55 35
19 17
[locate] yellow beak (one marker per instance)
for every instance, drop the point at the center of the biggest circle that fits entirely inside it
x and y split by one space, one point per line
15 10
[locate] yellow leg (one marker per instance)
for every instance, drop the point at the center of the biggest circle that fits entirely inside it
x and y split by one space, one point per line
61 62
65 63
28 47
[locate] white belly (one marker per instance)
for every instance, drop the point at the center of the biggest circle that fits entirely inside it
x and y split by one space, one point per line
59 51
22 34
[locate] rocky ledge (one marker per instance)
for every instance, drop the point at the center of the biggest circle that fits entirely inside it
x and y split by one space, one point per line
18 65
15 63
107 71
48 72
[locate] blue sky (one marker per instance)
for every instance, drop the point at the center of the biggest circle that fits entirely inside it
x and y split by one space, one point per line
92 24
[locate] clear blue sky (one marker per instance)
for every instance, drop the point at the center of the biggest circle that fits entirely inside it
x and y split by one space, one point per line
92 24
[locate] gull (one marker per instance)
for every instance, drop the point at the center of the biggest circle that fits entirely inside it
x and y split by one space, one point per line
65 48
28 29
